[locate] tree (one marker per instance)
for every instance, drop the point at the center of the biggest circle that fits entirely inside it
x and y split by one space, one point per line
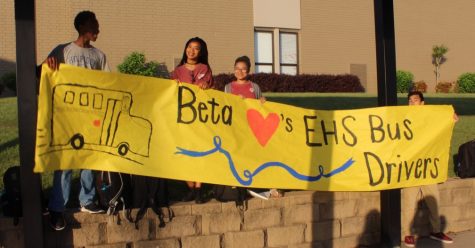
438 58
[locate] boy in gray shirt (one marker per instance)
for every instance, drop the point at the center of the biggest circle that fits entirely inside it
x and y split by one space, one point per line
79 53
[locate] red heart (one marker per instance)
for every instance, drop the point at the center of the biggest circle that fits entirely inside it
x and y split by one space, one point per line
96 123
263 128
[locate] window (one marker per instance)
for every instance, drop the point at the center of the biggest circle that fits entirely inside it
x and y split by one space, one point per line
97 101
69 97
280 59
263 47
84 99
288 53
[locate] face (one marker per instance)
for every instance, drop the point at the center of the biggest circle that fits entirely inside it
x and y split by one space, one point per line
91 31
415 100
193 50
241 71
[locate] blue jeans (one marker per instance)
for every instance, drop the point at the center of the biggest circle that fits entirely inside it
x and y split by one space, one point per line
62 187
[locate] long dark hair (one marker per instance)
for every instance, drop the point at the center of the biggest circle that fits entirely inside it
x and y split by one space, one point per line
202 57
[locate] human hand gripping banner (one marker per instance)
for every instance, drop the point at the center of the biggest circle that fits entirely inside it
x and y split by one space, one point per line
157 127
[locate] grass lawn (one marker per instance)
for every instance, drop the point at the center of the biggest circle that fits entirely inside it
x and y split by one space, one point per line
9 141
464 131
8 135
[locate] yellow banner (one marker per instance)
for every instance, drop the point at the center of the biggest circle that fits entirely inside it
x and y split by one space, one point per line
156 127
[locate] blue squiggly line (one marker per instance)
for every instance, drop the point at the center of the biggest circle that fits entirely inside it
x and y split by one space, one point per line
250 175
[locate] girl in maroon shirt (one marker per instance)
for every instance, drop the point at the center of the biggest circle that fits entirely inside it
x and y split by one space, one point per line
194 69
245 88
242 86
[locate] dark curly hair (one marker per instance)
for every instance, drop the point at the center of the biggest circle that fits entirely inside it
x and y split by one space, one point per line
412 93
84 18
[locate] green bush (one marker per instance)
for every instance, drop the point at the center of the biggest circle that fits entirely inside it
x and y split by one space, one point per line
404 81
466 83
135 64
9 80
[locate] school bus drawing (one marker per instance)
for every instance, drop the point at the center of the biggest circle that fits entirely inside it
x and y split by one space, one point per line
98 119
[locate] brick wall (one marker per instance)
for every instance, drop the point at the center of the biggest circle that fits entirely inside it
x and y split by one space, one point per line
456 209
303 219
300 219
7 37
419 25
159 28
334 35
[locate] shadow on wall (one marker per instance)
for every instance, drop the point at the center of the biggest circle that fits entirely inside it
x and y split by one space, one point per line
370 238
420 223
336 228
6 66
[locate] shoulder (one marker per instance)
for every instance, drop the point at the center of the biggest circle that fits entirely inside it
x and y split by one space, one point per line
98 51
179 68
176 72
202 67
64 45
59 50
227 87
61 47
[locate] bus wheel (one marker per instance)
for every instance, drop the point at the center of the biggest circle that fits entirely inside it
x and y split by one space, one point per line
77 141
123 149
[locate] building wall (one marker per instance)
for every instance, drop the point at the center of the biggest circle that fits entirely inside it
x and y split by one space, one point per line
160 29
7 37
335 36
338 37
425 23
277 13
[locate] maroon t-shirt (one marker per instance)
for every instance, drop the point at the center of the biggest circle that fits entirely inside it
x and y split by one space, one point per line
201 73
244 90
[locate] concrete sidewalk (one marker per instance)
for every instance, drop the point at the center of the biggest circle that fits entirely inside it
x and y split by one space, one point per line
461 240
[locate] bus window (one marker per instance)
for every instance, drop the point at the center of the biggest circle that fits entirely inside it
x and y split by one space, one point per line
97 101
125 103
84 99
69 97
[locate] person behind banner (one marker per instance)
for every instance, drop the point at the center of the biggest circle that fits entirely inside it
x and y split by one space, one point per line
194 68
242 86
79 53
427 193
245 88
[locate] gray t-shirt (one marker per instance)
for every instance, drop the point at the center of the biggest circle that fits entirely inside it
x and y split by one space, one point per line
72 54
